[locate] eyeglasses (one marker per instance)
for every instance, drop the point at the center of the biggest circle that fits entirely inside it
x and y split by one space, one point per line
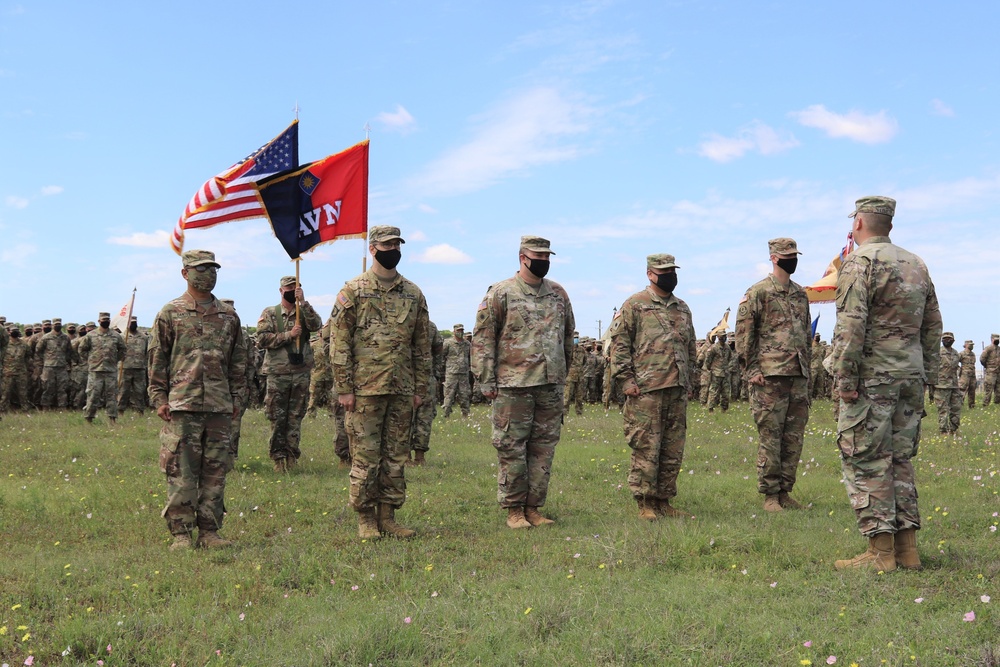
202 268
387 245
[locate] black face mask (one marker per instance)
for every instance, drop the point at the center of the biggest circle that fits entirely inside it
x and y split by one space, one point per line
538 267
388 258
46 329
667 282
288 296
15 334
948 343
133 326
788 265
105 324
57 327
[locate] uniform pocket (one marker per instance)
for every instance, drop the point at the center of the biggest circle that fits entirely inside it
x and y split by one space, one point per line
851 425
169 444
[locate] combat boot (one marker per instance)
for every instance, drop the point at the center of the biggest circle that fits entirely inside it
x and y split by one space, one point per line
368 524
664 508
209 539
880 555
387 522
788 502
905 547
532 515
280 466
772 503
646 511
345 464
181 542
515 518
418 458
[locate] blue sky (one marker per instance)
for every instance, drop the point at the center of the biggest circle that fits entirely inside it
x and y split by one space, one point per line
616 129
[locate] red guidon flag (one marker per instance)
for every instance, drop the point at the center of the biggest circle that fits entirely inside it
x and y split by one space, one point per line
824 290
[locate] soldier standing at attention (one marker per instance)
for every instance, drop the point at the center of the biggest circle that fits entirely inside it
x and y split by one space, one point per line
244 399
197 371
104 348
15 373
456 371
381 367
967 376
55 350
573 393
990 359
885 349
947 395
321 376
717 358
653 349
288 358
775 355
134 384
423 417
522 348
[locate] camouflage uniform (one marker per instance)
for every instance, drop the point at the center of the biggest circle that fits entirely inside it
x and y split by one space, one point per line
197 360
80 372
573 394
733 373
947 395
967 376
717 358
56 354
35 362
423 417
321 377
15 375
885 347
773 341
653 345
243 400
287 382
591 371
816 384
522 348
990 359
456 372
705 375
132 392
104 349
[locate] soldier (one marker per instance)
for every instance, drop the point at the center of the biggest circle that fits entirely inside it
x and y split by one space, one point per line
4 342
705 375
242 401
775 355
381 369
990 359
947 395
80 371
196 375
574 377
423 417
104 349
321 377
36 363
717 358
652 346
456 371
967 376
55 353
591 371
283 331
133 388
816 389
733 372
885 349
15 373
523 346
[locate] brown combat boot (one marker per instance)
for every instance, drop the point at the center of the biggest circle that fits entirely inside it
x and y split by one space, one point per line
387 522
532 515
880 555
280 465
788 502
368 524
664 508
181 542
905 546
345 464
418 458
515 518
646 511
209 539
772 503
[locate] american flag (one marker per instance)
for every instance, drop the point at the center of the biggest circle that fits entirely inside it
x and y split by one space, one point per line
232 195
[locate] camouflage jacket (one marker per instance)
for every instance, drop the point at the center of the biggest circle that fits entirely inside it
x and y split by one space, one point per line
55 350
455 356
774 331
948 370
103 349
990 358
380 338
274 335
82 362
653 342
322 371
136 348
592 366
197 357
437 352
717 358
15 359
577 363
967 358
888 320
4 342
523 335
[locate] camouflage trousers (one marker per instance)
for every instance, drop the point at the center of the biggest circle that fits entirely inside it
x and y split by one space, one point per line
78 389
14 386
320 391
102 390
380 445
195 455
573 395
285 406
456 389
132 393
780 409
878 434
55 387
423 418
949 407
655 428
967 386
526 425
718 392
991 388
706 384
590 392
237 428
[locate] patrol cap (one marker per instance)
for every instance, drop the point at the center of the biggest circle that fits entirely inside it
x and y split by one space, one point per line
783 246
193 258
969 342
44 322
3 319
947 334
101 316
994 336
875 204
56 320
536 244
383 233
71 325
134 319
289 281
661 261
91 325
37 325
459 326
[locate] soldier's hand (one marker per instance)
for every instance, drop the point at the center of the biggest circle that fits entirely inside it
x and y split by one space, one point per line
236 411
490 392
417 401
163 412
347 400
296 331
631 388
848 396
299 295
757 379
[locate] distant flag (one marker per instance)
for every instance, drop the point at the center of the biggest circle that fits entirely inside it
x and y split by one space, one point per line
231 195
824 290
123 316
815 324
722 327
320 202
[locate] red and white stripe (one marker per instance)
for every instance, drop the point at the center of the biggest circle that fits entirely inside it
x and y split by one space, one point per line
223 198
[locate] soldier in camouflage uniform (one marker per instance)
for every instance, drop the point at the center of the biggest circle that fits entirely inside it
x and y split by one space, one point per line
967 374
456 371
134 385
717 358
591 371
321 377
4 342
816 389
947 395
990 359
36 363
733 372
55 352
243 400
81 373
15 373
522 348
423 417
885 349
381 369
197 370
283 332
704 374
775 355
104 348
573 393
652 349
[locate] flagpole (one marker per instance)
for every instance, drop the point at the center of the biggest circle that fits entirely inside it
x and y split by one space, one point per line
128 329
364 255
298 339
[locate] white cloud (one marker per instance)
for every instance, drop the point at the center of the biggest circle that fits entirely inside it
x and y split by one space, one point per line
424 208
16 202
17 256
756 136
443 254
50 190
399 120
416 236
866 128
939 108
158 239
321 301
527 131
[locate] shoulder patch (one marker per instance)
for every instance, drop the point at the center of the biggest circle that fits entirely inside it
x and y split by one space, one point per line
482 305
342 299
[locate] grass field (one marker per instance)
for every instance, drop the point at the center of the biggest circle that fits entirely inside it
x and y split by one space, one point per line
85 574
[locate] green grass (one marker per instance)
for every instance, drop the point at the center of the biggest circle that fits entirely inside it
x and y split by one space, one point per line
85 563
